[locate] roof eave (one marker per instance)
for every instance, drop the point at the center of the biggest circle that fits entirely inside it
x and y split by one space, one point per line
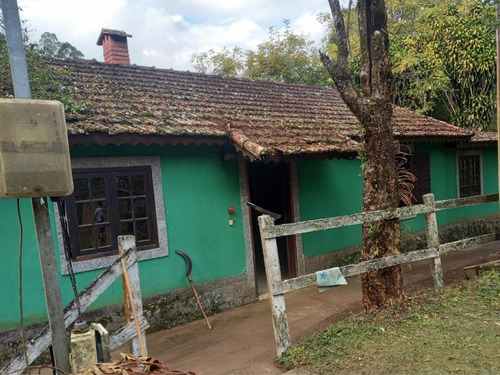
103 139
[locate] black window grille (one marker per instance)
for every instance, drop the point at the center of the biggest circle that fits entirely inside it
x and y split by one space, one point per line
469 175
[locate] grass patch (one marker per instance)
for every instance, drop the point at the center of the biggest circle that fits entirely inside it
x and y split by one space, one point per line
456 332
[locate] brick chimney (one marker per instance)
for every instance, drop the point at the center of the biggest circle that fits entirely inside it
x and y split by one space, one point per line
114 45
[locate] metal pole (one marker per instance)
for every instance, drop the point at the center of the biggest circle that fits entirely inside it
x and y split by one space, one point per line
19 70
17 54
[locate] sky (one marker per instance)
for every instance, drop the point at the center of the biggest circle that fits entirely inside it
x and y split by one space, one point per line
166 33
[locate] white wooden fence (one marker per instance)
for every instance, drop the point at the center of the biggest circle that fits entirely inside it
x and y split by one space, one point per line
277 288
128 332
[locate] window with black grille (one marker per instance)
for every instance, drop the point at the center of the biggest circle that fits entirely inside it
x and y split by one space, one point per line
469 175
107 203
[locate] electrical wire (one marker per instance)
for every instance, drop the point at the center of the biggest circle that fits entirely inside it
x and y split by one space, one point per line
61 206
21 312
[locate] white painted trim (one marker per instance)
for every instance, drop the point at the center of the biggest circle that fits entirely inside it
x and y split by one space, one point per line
457 169
247 227
118 162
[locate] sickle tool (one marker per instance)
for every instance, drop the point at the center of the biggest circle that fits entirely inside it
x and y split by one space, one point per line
188 275
275 216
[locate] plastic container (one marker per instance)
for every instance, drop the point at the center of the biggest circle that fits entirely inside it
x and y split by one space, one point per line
34 151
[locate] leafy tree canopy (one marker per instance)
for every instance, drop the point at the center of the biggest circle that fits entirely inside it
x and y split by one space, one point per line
444 56
284 57
50 46
224 63
45 80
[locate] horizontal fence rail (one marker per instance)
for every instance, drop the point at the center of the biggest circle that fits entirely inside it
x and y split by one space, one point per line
277 287
368 217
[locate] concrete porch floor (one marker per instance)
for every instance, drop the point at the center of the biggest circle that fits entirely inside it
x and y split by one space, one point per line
242 340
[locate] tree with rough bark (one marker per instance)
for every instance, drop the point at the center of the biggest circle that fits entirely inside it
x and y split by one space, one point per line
372 107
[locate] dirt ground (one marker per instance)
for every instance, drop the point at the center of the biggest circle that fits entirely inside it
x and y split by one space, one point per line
242 340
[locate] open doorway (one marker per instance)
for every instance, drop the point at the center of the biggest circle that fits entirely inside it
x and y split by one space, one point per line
270 188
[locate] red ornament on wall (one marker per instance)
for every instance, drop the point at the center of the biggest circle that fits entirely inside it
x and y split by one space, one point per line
231 212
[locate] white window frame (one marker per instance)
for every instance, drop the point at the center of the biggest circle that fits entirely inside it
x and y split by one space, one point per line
469 153
118 162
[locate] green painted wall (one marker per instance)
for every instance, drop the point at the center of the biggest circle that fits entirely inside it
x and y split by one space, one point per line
334 187
444 185
330 188
197 189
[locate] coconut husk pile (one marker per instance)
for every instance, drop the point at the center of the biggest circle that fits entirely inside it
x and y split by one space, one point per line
132 365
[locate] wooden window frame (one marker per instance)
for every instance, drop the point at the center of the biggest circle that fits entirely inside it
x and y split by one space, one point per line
112 198
114 162
461 188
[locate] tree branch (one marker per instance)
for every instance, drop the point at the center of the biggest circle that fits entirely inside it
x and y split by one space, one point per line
365 32
338 22
342 78
380 67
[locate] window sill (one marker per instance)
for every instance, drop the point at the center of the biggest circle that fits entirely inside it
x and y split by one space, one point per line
103 262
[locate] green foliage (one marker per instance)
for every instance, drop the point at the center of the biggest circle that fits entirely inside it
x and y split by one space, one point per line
44 78
223 63
453 332
443 57
50 46
284 57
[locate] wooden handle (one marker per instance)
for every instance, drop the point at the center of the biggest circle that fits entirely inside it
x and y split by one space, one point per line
199 303
483 264
134 311
125 300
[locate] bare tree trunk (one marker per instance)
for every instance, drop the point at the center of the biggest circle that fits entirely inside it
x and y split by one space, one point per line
373 109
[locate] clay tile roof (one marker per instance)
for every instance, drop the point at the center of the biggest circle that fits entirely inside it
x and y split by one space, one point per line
264 118
481 139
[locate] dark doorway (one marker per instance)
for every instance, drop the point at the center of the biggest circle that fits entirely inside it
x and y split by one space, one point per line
270 188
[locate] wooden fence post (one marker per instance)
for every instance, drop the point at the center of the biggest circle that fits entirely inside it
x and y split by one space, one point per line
432 235
273 275
125 243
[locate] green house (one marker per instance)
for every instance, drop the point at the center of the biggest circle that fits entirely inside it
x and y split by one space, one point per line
164 155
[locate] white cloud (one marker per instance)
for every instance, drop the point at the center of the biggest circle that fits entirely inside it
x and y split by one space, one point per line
167 33
177 18
308 25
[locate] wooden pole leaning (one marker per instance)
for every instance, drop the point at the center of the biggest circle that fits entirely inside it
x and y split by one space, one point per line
432 234
273 275
199 302
132 285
